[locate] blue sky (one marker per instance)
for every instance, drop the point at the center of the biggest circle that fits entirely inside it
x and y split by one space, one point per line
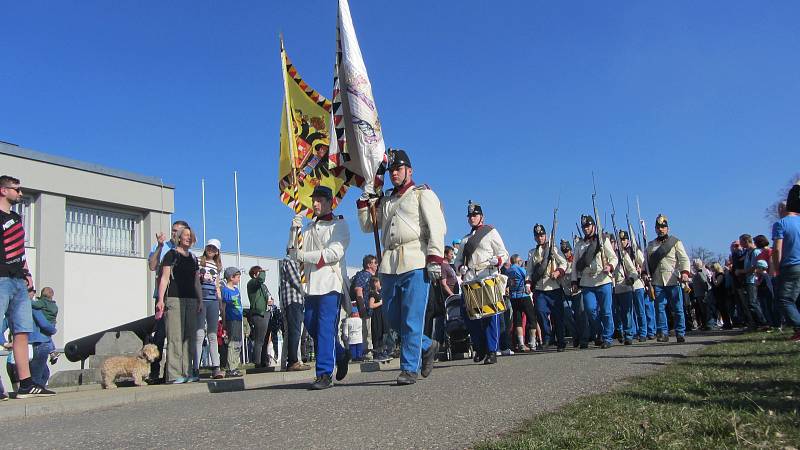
692 106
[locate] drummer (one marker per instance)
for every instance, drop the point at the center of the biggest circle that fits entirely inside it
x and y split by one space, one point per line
481 256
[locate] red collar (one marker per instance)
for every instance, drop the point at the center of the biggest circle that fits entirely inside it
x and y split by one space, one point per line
327 217
402 189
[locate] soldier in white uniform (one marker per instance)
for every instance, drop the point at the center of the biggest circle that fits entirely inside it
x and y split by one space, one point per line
669 267
412 227
591 271
635 260
626 279
482 255
325 241
545 271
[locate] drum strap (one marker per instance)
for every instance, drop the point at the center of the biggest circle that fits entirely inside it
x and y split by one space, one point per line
474 241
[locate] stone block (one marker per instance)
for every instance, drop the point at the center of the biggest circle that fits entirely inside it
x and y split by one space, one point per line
77 377
118 343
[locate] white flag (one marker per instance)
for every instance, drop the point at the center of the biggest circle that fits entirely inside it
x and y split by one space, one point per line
358 144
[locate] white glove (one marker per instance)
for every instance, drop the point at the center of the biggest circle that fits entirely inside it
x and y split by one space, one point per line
365 197
463 270
297 221
494 261
434 271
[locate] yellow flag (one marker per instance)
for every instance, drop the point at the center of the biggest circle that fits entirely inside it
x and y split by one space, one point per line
305 139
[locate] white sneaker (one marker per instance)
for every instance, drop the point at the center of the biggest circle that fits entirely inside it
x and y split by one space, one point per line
507 352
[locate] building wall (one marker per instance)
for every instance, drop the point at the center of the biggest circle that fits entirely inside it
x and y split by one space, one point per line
102 291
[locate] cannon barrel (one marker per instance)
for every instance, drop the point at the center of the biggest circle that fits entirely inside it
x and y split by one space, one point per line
81 348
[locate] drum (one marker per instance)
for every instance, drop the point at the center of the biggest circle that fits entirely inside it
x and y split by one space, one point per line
484 297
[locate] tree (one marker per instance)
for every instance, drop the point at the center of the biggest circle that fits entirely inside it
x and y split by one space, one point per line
772 212
707 256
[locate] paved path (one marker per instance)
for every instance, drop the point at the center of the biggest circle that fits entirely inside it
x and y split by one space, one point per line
460 403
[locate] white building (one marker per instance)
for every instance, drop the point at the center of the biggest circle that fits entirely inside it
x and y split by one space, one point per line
88 232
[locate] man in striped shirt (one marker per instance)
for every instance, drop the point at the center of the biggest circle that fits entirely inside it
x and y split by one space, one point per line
15 283
290 293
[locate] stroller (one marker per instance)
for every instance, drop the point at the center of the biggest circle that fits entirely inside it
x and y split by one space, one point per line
456 334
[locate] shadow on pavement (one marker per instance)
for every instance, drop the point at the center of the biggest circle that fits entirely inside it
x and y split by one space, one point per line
651 355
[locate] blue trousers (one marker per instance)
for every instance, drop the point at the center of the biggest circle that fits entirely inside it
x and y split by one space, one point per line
485 333
551 303
624 301
405 297
40 373
640 313
570 324
670 297
650 312
597 304
617 309
321 319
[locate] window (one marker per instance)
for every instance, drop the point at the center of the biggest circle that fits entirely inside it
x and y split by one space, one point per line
24 209
104 232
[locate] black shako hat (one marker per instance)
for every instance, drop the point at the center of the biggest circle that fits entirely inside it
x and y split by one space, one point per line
661 221
396 158
539 229
474 208
322 191
587 220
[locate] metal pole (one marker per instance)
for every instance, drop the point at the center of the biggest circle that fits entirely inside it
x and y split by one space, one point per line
203 191
239 252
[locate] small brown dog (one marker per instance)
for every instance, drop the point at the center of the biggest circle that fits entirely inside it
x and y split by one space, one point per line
137 367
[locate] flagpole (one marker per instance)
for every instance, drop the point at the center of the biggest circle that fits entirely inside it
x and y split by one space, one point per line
236 200
203 191
289 118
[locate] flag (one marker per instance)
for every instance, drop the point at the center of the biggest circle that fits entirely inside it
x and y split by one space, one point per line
358 145
305 128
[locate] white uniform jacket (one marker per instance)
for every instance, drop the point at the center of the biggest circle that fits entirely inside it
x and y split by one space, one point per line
559 264
412 228
593 275
671 266
479 264
621 284
323 255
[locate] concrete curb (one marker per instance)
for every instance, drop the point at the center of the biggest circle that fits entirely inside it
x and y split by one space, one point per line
92 397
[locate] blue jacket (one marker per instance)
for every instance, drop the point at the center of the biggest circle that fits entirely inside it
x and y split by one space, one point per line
516 281
42 328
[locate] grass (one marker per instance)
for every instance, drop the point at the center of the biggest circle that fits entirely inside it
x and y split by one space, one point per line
743 393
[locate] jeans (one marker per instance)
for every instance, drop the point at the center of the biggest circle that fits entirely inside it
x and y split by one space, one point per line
180 315
624 301
485 333
207 321
754 306
650 312
670 297
321 320
293 317
405 298
551 303
788 293
597 304
260 324
15 304
39 370
640 312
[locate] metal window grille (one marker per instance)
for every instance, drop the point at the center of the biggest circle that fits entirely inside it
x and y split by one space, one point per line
103 232
23 208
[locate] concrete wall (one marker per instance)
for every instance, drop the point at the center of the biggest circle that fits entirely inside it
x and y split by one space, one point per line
102 291
49 217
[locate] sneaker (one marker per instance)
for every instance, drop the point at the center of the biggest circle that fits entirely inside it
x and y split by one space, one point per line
628 342
491 358
680 339
341 365
605 345
539 347
598 342
3 397
427 359
233 374
322 382
382 357
650 337
662 338
152 381
34 391
179 380
478 357
405 378
507 352
217 374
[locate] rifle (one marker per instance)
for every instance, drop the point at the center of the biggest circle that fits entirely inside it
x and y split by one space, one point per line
620 256
552 246
649 279
598 227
